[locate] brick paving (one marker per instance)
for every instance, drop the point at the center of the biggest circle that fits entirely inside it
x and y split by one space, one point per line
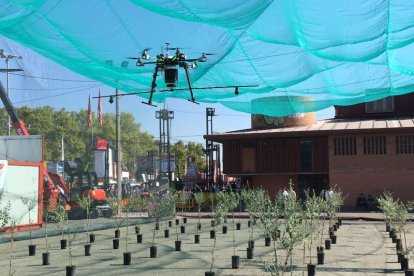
363 248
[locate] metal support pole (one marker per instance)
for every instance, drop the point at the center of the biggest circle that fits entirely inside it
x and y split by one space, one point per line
118 152
168 148
7 92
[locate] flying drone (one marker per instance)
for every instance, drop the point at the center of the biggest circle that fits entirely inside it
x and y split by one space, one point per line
168 64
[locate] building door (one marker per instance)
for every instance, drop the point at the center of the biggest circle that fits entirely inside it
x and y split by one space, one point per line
312 183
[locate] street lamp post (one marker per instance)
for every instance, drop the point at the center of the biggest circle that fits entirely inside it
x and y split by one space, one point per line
124 64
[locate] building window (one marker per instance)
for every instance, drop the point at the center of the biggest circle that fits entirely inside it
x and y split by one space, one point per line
249 157
379 106
375 145
306 155
345 146
405 144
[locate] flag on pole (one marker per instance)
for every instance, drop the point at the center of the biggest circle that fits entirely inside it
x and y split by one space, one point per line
99 108
89 121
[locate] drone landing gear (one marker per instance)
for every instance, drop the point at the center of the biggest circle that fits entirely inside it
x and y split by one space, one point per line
153 85
187 74
149 103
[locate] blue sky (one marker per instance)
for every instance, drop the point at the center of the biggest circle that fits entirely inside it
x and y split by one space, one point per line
48 83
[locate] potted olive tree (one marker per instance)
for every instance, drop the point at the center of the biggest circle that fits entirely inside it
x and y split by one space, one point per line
117 220
199 199
85 203
311 213
232 200
70 268
218 216
30 205
293 233
61 217
13 227
270 219
47 210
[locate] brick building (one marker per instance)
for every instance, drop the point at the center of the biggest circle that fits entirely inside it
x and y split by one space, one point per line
367 148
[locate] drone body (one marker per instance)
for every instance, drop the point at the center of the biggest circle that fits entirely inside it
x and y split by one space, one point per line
168 65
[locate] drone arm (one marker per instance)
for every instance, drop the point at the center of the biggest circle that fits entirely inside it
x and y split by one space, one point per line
187 74
153 85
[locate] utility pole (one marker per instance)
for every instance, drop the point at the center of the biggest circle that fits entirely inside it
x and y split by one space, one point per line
7 57
209 146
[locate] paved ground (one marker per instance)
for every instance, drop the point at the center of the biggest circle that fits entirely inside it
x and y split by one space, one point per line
363 248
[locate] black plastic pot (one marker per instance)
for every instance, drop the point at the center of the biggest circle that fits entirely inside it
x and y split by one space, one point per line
127 258
404 263
185 220
137 229
212 234
88 249
177 221
182 229
409 272
335 227
251 244
398 245
197 238
249 251
340 221
224 229
177 245
311 269
391 233
249 223
169 223
387 228
63 244
267 241
166 233
235 261
115 243
32 249
153 252
91 238
139 238
333 239
327 244
321 257
238 226
157 226
209 273
394 238
70 270
198 225
117 234
45 258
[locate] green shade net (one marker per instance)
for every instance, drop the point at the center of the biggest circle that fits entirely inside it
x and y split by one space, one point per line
304 55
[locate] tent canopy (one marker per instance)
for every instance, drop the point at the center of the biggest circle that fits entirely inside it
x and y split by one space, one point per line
304 55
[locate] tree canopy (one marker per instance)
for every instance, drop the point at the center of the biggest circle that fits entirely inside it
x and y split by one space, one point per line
79 139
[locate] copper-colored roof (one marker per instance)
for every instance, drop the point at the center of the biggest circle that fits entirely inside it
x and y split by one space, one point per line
323 127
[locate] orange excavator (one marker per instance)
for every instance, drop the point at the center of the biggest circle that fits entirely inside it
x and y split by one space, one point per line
55 189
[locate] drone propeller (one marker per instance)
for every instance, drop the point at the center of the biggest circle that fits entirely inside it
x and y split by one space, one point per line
203 57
